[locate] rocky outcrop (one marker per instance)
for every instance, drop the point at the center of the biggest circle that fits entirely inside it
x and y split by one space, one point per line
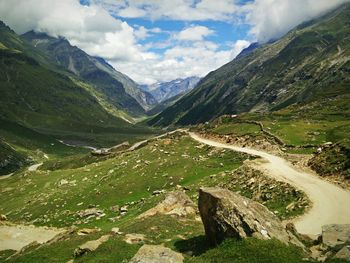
227 214
91 212
176 203
90 246
334 243
156 254
334 235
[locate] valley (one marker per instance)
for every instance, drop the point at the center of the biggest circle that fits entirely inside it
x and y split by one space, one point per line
248 164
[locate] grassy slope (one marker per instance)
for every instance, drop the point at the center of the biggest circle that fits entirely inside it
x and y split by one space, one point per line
119 180
63 112
308 64
110 84
41 102
314 123
10 159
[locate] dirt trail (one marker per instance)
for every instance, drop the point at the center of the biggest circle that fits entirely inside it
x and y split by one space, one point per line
15 237
330 203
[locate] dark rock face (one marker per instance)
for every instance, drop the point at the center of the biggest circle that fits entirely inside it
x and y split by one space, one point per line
229 215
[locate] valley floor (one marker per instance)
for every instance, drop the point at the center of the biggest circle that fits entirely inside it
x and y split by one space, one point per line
87 196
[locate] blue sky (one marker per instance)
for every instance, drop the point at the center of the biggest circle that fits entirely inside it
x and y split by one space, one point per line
161 40
225 37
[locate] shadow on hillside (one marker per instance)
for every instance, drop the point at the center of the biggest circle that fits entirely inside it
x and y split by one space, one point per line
197 245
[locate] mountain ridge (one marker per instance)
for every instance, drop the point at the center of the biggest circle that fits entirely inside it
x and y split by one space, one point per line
306 64
117 88
163 91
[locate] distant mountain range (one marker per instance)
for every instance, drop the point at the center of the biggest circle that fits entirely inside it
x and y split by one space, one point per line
167 90
309 64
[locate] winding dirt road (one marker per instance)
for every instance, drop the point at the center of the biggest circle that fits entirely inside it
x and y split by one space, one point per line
330 203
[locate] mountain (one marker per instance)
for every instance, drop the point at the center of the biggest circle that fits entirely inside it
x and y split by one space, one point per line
40 95
164 104
117 88
167 90
310 63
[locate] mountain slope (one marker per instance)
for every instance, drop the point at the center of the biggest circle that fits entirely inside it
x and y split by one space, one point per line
117 88
51 102
167 90
310 63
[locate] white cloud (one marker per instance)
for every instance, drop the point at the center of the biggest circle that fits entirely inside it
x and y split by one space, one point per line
238 46
194 33
91 28
182 60
186 10
142 32
271 19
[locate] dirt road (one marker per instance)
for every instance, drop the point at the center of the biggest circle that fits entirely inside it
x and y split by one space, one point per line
330 203
16 237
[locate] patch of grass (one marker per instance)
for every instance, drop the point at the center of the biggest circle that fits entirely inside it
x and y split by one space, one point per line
238 129
6 253
251 251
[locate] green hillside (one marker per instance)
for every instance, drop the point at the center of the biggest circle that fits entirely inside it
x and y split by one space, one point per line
42 97
118 89
308 64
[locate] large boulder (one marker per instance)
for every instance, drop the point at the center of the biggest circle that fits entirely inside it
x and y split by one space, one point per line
227 214
333 235
176 203
156 254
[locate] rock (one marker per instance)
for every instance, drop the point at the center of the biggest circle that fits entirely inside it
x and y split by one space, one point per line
158 192
227 214
333 235
90 212
114 208
134 238
123 210
63 182
115 230
175 203
100 152
87 231
156 254
90 246
344 253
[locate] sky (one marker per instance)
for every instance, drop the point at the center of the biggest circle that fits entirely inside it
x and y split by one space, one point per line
161 40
